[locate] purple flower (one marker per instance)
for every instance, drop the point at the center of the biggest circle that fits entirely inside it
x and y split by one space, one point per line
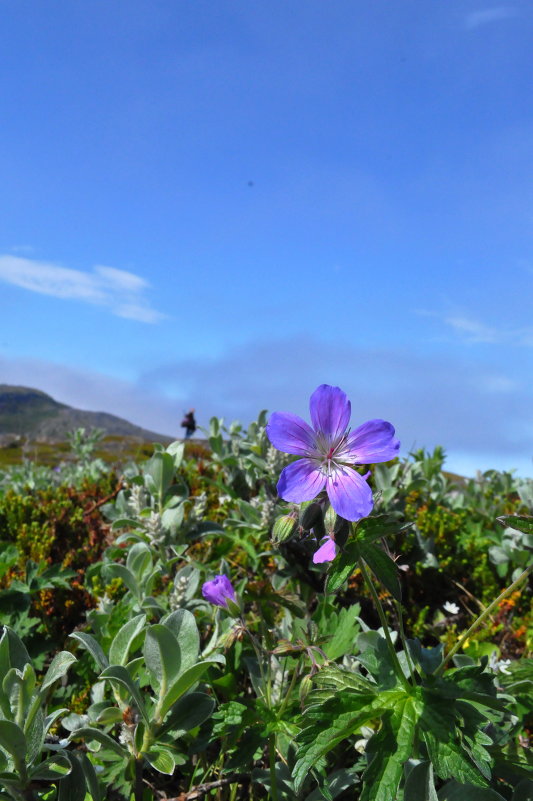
218 591
327 450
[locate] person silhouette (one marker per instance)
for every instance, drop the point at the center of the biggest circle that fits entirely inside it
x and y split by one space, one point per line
189 423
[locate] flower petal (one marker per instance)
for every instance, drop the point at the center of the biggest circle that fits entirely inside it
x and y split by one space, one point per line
326 553
372 442
350 495
330 410
301 481
290 434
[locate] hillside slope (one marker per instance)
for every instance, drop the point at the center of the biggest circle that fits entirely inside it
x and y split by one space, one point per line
37 416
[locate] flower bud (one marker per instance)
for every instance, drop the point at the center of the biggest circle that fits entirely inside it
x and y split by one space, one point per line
218 591
283 529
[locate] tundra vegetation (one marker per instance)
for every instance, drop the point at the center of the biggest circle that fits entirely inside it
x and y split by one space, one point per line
192 627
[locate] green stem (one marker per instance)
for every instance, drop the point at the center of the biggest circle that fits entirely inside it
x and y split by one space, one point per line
289 691
410 664
483 616
272 762
399 672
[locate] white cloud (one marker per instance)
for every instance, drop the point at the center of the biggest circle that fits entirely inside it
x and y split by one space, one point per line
118 290
473 330
484 16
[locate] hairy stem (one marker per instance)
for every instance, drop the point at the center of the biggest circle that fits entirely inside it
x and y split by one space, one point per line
379 609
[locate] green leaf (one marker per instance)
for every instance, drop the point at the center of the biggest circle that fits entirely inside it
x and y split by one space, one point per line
52 769
58 667
375 527
124 639
419 785
73 786
116 570
523 791
429 659
162 656
120 675
183 625
12 739
139 560
13 653
93 784
522 523
124 522
383 568
453 791
176 450
161 759
189 711
160 468
93 646
343 566
87 733
388 750
19 688
338 718
183 683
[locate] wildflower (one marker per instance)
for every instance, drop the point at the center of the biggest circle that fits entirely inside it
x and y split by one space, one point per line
327 450
450 608
218 591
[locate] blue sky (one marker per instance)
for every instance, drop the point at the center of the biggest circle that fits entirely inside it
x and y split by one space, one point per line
224 204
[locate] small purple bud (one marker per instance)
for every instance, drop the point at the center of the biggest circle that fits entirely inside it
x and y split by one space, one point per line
218 591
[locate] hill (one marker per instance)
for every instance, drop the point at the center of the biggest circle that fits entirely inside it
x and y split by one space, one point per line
36 416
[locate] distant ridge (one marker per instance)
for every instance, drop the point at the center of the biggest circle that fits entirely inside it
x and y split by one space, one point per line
37 416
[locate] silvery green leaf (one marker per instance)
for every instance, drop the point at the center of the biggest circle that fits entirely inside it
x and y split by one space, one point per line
116 570
52 769
93 646
59 666
176 450
73 786
183 683
13 653
139 560
160 468
12 739
189 711
89 734
162 655
124 640
183 625
120 675
161 760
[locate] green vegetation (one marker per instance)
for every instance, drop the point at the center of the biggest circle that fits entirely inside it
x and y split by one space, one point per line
365 679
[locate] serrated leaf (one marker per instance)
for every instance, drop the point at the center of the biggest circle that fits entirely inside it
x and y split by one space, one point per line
388 750
522 523
93 646
58 667
343 566
87 733
383 568
120 674
124 639
369 529
338 718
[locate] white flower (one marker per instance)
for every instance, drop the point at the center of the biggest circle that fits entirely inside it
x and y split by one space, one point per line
451 609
